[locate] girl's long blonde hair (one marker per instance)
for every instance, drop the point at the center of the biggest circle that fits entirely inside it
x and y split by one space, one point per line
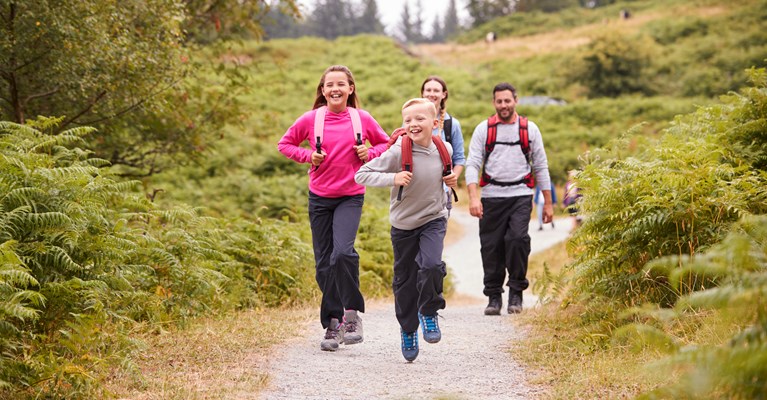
320 99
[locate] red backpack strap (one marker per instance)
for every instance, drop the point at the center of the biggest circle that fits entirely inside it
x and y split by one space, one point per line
407 159
447 161
524 137
492 132
395 135
524 143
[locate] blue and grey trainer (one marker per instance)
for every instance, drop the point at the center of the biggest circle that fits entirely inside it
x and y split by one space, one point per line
409 345
430 326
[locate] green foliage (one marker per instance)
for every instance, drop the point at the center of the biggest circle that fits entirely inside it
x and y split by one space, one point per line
613 65
678 195
737 367
84 257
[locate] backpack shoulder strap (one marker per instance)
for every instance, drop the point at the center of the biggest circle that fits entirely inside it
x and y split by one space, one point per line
394 135
447 127
492 132
356 124
447 161
407 153
407 157
319 123
524 137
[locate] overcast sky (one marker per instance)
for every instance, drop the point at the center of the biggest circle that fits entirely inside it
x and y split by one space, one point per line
389 11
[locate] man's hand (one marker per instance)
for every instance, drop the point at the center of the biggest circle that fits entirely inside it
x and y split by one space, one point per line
475 203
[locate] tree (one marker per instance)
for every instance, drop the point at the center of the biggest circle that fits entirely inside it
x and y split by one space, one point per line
406 28
482 11
614 65
208 20
451 25
331 19
369 20
418 23
437 32
123 69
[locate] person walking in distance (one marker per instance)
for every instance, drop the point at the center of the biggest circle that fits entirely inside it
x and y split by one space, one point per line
337 131
506 157
420 163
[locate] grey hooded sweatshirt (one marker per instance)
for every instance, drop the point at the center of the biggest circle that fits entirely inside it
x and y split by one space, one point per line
424 199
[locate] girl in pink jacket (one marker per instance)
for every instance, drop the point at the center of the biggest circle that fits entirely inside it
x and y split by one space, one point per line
336 130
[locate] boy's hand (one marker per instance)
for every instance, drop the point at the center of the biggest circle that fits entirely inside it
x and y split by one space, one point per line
403 178
362 152
451 180
318 158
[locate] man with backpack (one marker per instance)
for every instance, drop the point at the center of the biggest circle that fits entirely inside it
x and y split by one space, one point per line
506 158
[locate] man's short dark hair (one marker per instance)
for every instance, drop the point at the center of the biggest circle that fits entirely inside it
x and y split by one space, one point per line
505 86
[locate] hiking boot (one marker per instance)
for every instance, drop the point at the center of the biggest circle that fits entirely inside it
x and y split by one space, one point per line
494 305
334 336
430 327
352 327
409 345
515 303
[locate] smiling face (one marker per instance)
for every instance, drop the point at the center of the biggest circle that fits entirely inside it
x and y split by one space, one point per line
336 89
505 104
419 118
434 91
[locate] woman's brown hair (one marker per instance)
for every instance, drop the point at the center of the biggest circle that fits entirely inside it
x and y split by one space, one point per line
441 81
320 100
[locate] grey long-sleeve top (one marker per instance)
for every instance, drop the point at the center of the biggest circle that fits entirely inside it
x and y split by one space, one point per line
424 199
507 163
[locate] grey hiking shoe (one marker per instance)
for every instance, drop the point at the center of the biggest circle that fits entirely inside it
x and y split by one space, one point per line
334 336
515 303
352 327
494 305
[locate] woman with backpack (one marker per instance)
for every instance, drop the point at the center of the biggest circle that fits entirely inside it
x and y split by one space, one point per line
448 128
336 131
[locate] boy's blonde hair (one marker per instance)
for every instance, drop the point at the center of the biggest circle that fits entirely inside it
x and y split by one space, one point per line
420 100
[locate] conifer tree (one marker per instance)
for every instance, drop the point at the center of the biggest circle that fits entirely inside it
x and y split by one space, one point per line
451 25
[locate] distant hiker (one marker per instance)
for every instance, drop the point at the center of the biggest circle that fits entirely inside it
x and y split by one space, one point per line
336 130
506 157
490 38
572 194
418 221
625 14
539 204
448 128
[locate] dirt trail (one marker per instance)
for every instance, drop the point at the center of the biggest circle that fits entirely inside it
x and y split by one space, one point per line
471 362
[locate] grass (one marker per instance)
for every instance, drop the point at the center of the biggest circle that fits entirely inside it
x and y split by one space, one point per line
561 354
220 357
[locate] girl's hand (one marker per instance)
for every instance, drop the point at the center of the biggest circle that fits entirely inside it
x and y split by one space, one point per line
362 152
403 178
451 180
318 158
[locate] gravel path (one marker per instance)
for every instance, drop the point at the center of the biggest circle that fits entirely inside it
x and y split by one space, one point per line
471 362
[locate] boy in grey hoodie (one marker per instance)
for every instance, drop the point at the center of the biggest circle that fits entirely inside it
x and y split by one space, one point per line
419 223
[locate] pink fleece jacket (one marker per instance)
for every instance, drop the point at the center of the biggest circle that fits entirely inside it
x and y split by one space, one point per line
335 176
